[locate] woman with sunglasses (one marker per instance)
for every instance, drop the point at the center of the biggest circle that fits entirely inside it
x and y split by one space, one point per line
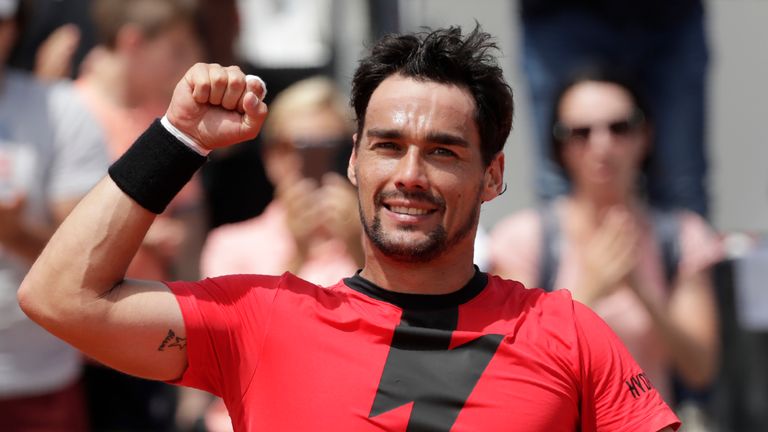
604 243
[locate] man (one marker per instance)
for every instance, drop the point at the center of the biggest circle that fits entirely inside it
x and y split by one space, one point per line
418 340
51 154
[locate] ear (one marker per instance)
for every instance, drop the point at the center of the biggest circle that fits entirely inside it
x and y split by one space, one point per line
493 182
352 165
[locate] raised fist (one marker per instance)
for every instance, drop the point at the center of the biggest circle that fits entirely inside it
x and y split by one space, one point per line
217 106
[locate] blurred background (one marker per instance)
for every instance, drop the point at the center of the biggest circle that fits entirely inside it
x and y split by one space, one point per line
286 41
329 36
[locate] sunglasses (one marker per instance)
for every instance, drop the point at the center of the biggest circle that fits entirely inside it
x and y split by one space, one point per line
617 128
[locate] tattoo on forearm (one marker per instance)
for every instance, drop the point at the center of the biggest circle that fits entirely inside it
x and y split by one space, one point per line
172 341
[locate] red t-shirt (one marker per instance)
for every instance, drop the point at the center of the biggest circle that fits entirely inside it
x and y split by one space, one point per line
285 354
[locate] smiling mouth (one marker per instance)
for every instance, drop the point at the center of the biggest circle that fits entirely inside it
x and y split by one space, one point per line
410 211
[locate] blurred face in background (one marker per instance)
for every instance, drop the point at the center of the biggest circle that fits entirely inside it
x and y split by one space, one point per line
157 63
605 138
307 146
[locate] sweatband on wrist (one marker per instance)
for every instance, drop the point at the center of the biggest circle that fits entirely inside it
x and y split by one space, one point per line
155 168
184 138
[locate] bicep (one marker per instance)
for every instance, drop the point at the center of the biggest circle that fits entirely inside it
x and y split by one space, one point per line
137 327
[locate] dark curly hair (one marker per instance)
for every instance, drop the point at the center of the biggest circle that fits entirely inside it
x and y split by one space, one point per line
444 56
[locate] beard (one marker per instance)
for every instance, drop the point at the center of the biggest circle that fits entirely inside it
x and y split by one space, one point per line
434 245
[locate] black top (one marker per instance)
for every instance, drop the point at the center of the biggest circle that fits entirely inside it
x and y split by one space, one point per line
637 12
420 301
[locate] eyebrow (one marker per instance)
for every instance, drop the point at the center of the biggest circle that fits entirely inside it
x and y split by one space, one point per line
435 137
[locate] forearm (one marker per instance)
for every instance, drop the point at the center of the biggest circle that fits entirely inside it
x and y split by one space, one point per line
87 256
693 353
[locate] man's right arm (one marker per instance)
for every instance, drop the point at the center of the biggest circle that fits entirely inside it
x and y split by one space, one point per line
77 288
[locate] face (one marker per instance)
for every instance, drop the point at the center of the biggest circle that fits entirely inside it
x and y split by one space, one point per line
162 60
604 138
307 145
419 170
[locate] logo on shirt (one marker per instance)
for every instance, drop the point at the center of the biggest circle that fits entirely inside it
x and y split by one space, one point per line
638 385
421 368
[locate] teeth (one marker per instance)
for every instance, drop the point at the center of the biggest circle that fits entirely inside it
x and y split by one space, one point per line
410 211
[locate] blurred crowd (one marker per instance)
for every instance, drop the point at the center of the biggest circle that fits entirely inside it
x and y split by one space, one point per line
618 97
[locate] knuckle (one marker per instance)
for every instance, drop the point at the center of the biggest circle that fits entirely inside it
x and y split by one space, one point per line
218 78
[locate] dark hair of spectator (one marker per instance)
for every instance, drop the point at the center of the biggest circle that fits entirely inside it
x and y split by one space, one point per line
443 56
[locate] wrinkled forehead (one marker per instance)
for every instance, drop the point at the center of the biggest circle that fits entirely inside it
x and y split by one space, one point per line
406 103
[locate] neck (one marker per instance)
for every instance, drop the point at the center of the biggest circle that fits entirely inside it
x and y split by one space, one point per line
590 208
601 200
445 274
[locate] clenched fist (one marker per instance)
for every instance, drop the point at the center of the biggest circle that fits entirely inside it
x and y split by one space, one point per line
217 106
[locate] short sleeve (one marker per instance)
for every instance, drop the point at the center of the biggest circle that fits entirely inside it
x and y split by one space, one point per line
81 155
226 320
700 246
616 394
515 245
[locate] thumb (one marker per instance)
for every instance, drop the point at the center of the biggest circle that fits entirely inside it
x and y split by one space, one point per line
254 113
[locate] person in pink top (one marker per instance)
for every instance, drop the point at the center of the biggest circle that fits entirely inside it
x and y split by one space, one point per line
312 227
608 250
145 46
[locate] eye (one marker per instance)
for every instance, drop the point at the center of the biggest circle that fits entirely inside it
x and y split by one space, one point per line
386 145
580 133
620 127
443 151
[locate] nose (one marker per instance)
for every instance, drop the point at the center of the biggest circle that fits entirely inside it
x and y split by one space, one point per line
600 140
411 173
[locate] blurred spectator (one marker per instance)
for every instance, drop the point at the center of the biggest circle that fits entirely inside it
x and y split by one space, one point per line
235 183
663 42
50 155
55 56
145 47
56 38
644 270
311 228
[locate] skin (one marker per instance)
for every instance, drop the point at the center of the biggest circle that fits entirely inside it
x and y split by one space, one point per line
605 221
121 73
55 56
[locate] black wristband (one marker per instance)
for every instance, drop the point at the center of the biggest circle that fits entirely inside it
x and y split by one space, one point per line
155 168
